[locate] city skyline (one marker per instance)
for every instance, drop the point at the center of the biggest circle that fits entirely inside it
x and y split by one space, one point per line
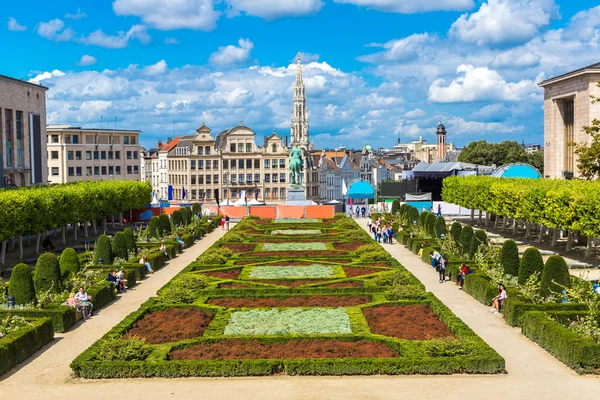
165 71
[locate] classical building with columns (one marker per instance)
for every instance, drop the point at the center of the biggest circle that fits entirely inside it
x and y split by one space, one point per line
567 109
22 133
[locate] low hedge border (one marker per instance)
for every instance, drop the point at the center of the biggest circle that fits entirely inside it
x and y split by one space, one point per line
17 346
131 271
515 309
61 316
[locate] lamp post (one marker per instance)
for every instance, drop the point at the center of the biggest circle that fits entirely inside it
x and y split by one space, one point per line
227 177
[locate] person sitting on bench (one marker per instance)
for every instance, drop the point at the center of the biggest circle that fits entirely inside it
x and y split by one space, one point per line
47 244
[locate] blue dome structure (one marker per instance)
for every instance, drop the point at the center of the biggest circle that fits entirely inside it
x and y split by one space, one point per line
517 170
361 189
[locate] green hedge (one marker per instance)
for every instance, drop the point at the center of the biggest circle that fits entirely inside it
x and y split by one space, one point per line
480 287
156 260
17 346
188 240
515 309
102 293
62 317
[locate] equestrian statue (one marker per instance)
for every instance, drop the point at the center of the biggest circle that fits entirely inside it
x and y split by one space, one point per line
296 163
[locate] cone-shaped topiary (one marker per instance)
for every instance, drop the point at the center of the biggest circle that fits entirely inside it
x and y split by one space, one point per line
164 225
423 219
464 242
555 276
509 258
402 211
531 262
440 227
430 224
153 227
479 239
455 230
186 216
413 216
196 208
395 207
119 246
130 238
47 274
177 218
103 251
69 263
21 285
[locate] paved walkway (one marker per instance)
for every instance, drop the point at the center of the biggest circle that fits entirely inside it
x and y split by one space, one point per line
533 374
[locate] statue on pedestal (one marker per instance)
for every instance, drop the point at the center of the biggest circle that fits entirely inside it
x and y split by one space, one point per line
296 163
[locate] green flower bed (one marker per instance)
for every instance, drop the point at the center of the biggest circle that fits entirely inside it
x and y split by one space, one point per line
296 232
293 246
295 321
295 221
292 272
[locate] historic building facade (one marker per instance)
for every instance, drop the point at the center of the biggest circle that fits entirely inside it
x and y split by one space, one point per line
567 109
335 170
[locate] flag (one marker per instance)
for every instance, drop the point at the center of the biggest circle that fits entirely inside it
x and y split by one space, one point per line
183 193
217 197
344 188
170 193
256 195
350 201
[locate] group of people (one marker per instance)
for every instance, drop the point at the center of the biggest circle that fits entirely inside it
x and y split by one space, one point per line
225 223
440 263
82 302
118 279
381 231
360 211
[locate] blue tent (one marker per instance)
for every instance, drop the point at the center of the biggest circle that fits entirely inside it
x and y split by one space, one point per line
517 170
361 190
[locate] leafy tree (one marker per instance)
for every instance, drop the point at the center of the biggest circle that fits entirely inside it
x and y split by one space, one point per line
153 227
509 258
47 274
479 239
119 246
536 159
395 206
103 251
186 216
440 227
484 153
423 218
555 276
466 236
21 285
531 263
130 238
164 225
69 263
455 231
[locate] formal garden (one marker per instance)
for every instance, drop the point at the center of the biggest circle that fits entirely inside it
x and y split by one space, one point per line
553 308
296 297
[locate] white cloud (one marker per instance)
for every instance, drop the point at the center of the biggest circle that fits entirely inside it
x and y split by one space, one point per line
87 60
171 40
156 69
305 58
415 114
46 75
412 6
232 55
55 30
481 84
121 40
273 9
516 58
584 26
503 22
405 49
491 113
13 25
78 15
171 14
458 125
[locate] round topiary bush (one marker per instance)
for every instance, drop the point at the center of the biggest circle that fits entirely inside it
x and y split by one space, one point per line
119 246
186 214
69 263
440 227
402 211
413 216
164 225
555 276
130 239
47 274
177 218
103 251
531 262
395 207
430 224
479 239
464 242
153 227
455 231
509 258
21 285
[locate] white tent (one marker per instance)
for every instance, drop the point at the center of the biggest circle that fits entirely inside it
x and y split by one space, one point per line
240 202
255 202
226 203
334 202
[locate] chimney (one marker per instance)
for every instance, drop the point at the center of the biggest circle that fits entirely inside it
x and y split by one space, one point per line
169 140
160 143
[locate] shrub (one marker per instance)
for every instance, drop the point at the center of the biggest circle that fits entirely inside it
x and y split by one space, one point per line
177 218
440 227
430 224
130 239
47 274
215 256
234 237
423 219
395 206
164 225
20 346
196 209
153 227
119 246
413 216
21 285
509 258
466 235
376 256
479 239
103 251
455 231
393 279
555 276
367 248
183 290
409 292
69 263
126 349
446 347
531 262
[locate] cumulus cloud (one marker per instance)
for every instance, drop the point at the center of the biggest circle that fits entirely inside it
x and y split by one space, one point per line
504 22
415 114
78 15
156 69
584 26
412 6
232 55
13 25
305 58
86 60
118 41
491 113
46 75
273 9
480 84
404 49
55 30
460 125
171 14
516 58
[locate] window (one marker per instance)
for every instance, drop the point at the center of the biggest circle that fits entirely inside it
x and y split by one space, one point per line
54 155
103 170
267 192
275 192
125 139
68 141
225 178
199 150
110 155
129 170
282 177
54 139
257 164
69 155
232 164
267 177
88 171
215 164
233 178
225 164
274 177
208 178
103 155
240 147
207 150
136 170
96 171
111 170
208 164
71 171
282 163
129 155
200 164
96 155
192 164
78 171
132 140
193 194
200 179
75 139
257 178
78 155
241 164
232 147
193 179
242 178
54 171
88 155
248 164
282 192
274 148
267 163
135 155
117 155
248 147
215 178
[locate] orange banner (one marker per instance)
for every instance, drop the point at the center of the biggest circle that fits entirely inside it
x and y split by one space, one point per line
264 211
320 211
290 211
233 211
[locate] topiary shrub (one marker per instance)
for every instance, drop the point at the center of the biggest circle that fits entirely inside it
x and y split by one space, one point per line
47 274
119 246
509 258
186 214
21 285
395 206
130 239
479 239
423 218
413 216
153 227
164 225
103 251
177 218
402 211
531 262
69 263
464 242
430 224
555 276
455 231
440 227
196 209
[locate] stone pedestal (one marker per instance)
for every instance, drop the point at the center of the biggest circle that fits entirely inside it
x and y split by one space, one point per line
296 196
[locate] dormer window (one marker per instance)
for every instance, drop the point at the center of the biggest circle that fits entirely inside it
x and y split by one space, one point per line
274 148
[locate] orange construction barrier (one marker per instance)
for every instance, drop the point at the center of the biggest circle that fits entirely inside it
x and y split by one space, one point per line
290 211
264 211
320 211
233 211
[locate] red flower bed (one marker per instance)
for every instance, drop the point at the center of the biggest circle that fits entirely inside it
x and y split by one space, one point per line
262 221
351 246
234 349
344 285
414 322
296 254
233 285
351 272
229 274
297 301
171 325
297 239
240 247
291 283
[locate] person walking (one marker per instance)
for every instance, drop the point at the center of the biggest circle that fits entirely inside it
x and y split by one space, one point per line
222 224
390 233
227 222
441 268
439 213
363 211
369 224
357 211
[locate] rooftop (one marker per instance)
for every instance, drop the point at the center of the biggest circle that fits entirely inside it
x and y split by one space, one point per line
593 68
64 127
15 80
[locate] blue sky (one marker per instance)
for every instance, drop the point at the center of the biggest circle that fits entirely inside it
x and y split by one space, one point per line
374 69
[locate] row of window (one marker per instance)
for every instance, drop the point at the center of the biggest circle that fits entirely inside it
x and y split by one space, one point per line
104 170
235 178
227 164
93 139
234 194
96 155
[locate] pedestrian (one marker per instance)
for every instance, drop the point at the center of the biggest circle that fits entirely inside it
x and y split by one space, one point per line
439 213
460 279
369 224
441 268
222 224
384 233
227 222
357 211
390 233
378 234
363 211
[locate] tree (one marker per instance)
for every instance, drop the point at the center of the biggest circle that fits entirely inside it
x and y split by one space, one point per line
153 227
395 207
555 276
479 239
130 238
413 216
509 258
119 246
536 159
423 218
455 231
484 153
177 218
21 285
103 251
69 263
164 225
186 215
440 227
466 235
531 263
47 274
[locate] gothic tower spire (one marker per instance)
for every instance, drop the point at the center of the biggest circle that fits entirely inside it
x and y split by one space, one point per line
299 128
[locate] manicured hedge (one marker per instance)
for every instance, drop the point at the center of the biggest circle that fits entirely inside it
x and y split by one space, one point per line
515 309
69 263
47 274
21 285
509 258
480 287
62 317
17 346
102 293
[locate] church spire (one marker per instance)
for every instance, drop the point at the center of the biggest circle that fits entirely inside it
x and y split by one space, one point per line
299 128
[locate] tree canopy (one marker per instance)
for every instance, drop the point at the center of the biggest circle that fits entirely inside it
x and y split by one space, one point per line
483 153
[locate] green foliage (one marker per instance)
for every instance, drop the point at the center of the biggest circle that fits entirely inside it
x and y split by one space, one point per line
103 251
21 285
580 291
440 227
69 263
215 256
130 239
186 214
466 237
119 246
21 344
130 348
531 262
47 277
196 209
536 160
479 239
423 219
555 276
455 231
183 290
177 218
447 347
153 227
396 278
484 153
405 292
367 248
395 206
413 216
376 256
235 237
164 225
430 224
509 258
